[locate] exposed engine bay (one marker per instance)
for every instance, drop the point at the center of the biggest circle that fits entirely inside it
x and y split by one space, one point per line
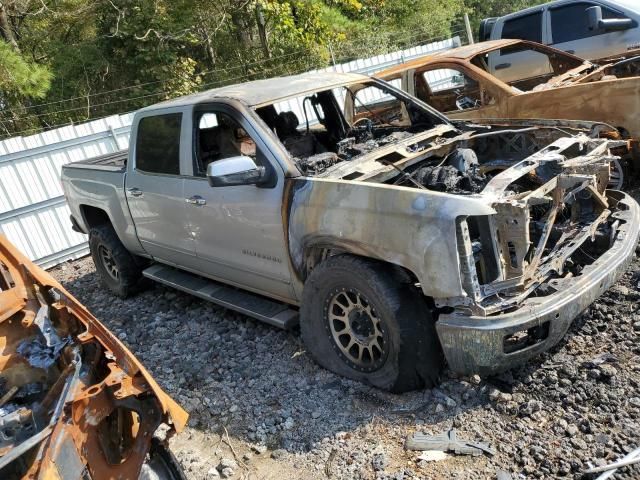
553 210
547 182
74 402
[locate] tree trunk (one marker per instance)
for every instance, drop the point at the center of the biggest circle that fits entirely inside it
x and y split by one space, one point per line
262 31
5 28
239 18
208 46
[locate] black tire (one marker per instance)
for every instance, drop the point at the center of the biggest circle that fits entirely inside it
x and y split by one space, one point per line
103 242
411 357
161 464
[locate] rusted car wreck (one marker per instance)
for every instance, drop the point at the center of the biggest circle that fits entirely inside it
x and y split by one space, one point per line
479 82
74 402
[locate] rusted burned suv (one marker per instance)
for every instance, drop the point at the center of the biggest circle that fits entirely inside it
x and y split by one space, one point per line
396 234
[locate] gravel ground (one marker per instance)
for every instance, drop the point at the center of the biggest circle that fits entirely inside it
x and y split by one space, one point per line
262 409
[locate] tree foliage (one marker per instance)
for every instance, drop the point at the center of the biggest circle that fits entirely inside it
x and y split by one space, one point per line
480 9
19 77
67 61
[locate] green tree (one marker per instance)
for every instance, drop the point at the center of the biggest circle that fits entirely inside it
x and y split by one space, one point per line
19 77
91 58
481 9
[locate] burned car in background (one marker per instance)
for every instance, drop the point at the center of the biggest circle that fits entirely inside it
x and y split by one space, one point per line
477 82
74 402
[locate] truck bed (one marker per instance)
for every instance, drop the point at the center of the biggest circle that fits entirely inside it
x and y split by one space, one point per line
114 162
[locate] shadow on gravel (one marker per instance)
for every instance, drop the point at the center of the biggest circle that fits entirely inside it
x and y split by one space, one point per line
230 371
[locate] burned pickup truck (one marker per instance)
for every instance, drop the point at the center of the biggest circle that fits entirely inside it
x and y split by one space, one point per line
395 234
74 402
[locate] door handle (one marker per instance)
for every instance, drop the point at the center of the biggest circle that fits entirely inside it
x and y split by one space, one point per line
196 200
502 66
134 192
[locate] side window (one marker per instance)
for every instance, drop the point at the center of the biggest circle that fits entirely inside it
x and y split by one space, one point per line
158 144
572 22
528 27
377 104
219 136
451 90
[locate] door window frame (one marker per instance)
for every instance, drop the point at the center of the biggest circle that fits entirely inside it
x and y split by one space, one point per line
551 9
496 88
542 11
134 145
271 164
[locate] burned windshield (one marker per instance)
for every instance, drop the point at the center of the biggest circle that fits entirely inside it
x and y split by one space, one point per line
339 124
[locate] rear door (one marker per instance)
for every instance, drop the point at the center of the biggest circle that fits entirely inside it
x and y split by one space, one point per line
154 189
570 32
238 230
514 66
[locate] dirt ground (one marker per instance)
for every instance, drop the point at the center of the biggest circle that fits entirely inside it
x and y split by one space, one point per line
262 409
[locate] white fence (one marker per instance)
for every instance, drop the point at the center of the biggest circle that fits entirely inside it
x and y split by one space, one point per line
33 212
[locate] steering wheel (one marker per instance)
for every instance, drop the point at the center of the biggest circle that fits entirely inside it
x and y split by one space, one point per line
363 119
369 127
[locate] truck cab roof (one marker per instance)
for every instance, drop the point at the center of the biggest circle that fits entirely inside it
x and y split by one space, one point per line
263 92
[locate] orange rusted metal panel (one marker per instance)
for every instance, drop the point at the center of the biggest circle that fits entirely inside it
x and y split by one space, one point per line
586 91
96 406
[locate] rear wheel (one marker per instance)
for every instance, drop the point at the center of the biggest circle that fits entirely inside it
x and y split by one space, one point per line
360 320
119 270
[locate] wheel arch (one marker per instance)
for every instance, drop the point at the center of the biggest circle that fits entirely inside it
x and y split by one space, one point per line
316 252
94 216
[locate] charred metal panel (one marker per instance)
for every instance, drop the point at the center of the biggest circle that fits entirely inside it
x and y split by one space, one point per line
477 344
411 228
79 404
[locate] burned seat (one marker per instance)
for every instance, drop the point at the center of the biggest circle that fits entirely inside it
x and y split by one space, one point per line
299 144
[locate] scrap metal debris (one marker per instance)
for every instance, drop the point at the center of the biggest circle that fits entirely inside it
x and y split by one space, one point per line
74 402
41 355
631 458
447 442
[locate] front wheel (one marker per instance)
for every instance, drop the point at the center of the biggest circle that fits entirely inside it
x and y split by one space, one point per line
359 320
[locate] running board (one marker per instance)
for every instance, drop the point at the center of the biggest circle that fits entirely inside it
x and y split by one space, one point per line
269 311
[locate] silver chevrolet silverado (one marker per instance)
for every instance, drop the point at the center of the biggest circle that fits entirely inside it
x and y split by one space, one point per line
396 238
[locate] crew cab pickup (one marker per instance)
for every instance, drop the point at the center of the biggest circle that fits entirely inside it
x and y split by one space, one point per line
392 234
598 30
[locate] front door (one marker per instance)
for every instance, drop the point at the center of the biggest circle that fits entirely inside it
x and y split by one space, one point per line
457 93
154 190
570 32
238 230
509 64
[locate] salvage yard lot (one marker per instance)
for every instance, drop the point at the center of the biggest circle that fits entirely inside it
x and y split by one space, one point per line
579 402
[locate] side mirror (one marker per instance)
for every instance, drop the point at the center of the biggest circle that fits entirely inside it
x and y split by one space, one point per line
235 171
596 22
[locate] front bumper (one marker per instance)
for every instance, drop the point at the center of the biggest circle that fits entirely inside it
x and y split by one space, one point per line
475 344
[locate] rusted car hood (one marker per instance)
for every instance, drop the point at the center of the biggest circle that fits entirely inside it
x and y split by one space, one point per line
76 399
625 70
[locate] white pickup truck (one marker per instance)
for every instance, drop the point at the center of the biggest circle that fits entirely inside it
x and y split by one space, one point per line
395 234
595 30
